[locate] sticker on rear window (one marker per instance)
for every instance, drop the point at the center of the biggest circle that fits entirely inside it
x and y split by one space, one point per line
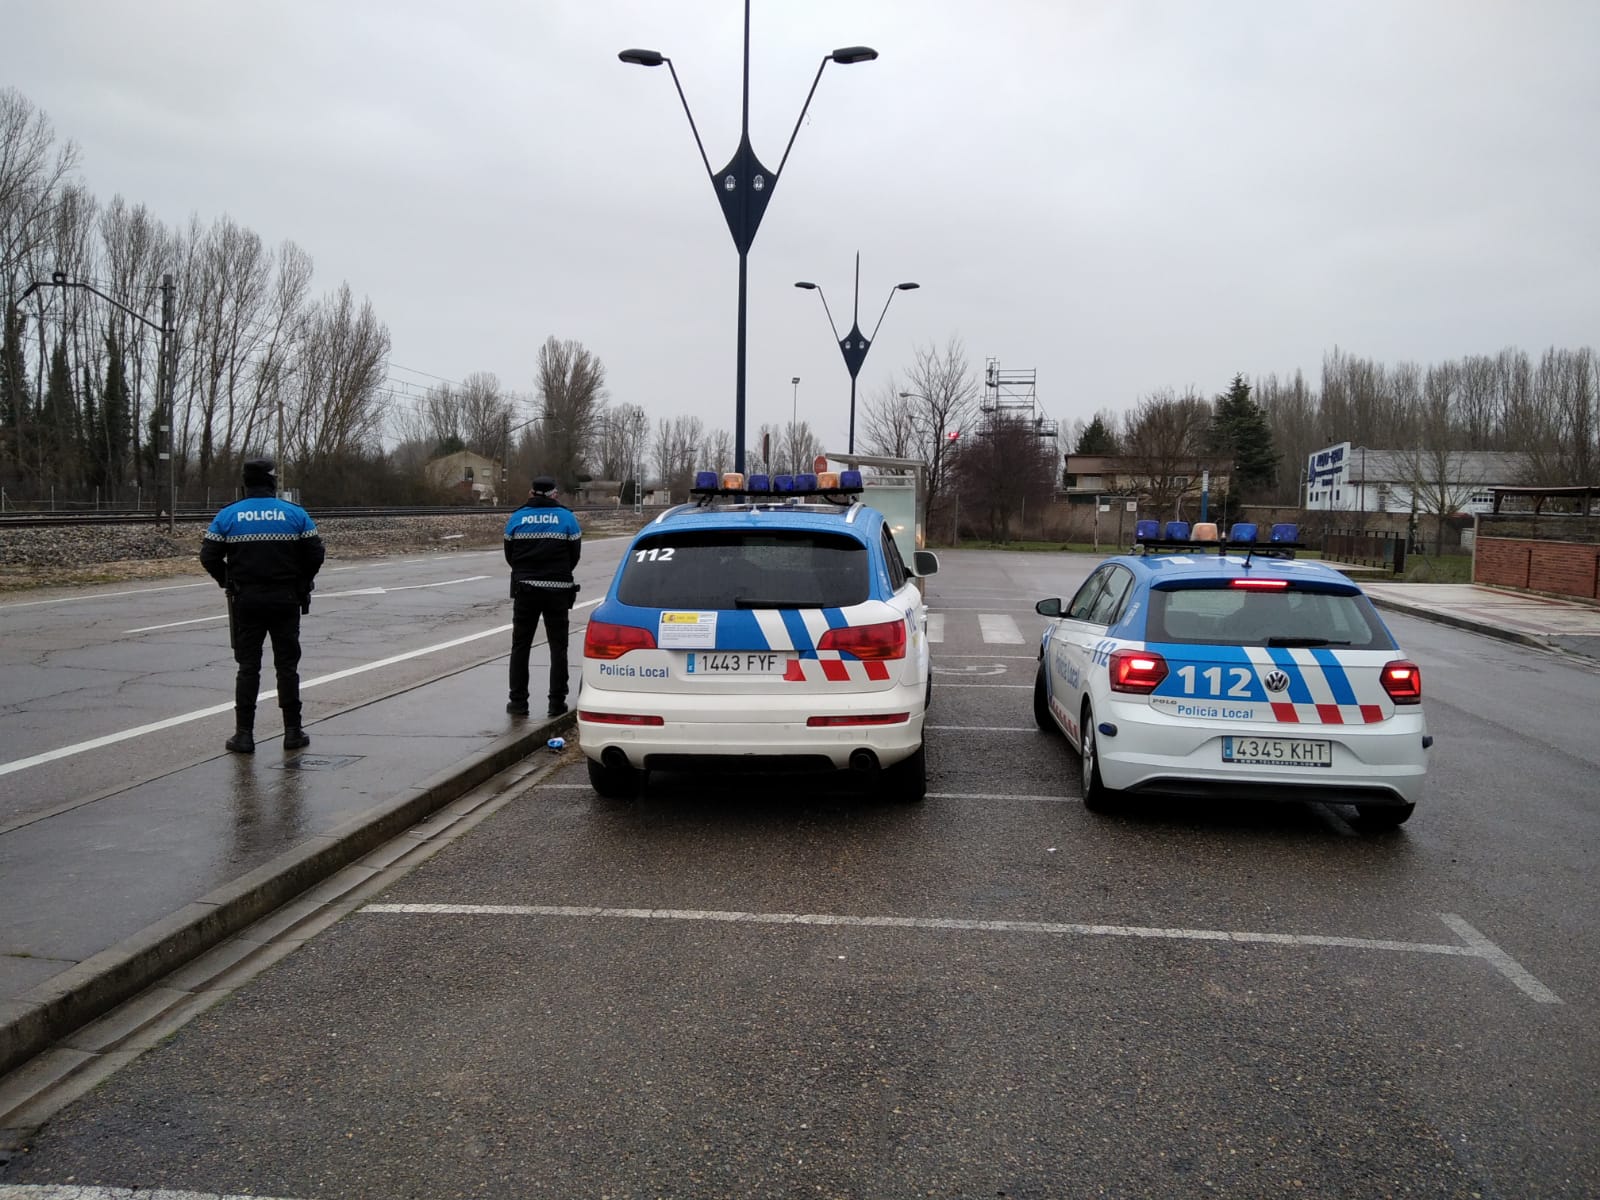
687 631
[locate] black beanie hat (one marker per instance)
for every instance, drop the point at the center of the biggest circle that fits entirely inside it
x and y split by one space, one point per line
542 483
260 472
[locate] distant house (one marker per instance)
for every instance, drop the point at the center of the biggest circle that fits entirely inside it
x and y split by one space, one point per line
1346 478
470 478
1160 484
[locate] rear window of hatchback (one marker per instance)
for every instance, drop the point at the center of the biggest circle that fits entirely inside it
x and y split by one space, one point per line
1221 615
741 568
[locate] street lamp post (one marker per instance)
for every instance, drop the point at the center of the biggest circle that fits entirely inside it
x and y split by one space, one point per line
744 187
164 360
854 345
794 410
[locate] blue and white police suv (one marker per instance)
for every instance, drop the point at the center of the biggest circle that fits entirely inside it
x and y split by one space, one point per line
769 624
1232 669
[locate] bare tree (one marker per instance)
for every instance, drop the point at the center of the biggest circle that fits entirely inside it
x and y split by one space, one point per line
572 394
1006 470
339 401
1163 441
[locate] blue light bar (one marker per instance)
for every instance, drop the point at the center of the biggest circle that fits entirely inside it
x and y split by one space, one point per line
805 483
849 479
1242 531
705 479
757 483
1286 532
1178 531
1143 531
783 483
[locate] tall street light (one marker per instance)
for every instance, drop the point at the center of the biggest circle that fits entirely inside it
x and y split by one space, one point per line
794 410
744 187
854 345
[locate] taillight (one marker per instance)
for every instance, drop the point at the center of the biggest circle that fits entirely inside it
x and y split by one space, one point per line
1403 681
605 718
605 640
858 719
1136 670
885 640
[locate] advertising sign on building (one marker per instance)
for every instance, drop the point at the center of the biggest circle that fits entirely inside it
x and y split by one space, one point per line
1328 476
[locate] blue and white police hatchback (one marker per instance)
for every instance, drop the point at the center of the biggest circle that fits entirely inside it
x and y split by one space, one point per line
770 624
1232 669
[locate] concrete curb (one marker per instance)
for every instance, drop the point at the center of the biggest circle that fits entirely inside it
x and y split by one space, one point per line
1467 623
78 995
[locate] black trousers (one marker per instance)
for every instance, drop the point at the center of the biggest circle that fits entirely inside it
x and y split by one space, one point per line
252 625
526 610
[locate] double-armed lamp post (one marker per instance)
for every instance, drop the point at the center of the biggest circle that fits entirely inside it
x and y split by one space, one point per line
744 187
854 345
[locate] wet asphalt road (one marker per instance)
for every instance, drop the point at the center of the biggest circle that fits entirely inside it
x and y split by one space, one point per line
660 1047
89 664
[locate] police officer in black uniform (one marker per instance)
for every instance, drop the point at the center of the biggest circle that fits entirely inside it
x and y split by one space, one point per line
543 542
264 552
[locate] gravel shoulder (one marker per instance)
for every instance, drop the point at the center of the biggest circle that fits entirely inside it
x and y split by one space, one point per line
76 556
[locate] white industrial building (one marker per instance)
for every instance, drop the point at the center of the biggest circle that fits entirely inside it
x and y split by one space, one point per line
1346 478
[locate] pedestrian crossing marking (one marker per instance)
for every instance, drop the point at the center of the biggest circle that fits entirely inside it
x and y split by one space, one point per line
999 629
936 627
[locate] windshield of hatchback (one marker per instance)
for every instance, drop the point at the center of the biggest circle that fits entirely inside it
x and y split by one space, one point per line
740 568
1229 616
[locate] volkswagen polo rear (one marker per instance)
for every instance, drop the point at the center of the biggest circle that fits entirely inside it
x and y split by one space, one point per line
756 639
1281 682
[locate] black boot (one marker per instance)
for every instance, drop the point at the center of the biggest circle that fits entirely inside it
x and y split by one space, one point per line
243 741
294 737
558 707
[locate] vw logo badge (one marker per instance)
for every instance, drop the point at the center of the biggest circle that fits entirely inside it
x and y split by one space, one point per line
1276 681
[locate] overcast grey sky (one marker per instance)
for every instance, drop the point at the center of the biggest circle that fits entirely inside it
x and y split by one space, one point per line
1125 196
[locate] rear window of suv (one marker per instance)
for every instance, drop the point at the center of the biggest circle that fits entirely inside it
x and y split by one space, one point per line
739 568
1228 616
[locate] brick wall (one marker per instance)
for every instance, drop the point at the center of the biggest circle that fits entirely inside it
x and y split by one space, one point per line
1563 568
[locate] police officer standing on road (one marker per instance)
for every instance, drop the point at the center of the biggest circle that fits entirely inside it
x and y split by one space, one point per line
543 542
264 552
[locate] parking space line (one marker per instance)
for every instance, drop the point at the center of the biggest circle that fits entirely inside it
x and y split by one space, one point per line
1478 946
1502 962
997 628
936 627
80 1191
985 728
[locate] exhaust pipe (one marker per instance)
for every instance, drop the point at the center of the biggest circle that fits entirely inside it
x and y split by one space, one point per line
863 760
613 757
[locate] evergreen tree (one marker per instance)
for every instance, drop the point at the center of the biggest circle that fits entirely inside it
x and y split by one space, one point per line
1096 439
1240 430
116 417
14 415
58 421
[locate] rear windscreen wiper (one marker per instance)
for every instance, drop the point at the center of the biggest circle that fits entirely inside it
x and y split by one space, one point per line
1303 641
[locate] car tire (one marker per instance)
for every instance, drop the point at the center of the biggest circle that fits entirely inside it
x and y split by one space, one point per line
1041 704
907 781
615 783
1378 817
1097 797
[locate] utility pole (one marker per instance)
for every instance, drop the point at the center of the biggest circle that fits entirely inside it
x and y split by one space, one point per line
169 346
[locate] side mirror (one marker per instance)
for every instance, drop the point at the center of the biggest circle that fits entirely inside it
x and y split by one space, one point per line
1049 608
924 563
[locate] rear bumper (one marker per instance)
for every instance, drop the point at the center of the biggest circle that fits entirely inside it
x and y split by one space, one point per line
749 732
1379 764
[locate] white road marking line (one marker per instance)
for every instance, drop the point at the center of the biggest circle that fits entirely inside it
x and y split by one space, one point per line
111 739
372 591
76 1191
1478 947
1502 962
1018 687
986 728
999 629
171 587
936 627
993 657
175 624
1002 796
